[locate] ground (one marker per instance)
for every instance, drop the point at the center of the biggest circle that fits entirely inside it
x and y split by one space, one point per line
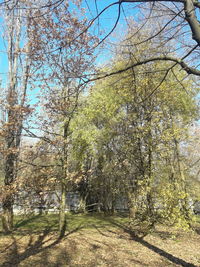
96 241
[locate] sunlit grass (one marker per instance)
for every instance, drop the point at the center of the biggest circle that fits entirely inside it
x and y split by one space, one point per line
38 223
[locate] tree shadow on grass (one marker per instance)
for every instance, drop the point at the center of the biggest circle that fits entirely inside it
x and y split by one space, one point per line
22 222
36 244
157 250
31 225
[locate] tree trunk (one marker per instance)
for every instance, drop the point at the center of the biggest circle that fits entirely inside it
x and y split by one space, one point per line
62 215
185 201
7 215
132 205
82 205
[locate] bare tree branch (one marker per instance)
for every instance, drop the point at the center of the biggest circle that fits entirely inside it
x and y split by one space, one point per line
196 4
180 62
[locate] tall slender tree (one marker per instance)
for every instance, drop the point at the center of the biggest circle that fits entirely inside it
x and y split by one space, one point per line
15 105
61 79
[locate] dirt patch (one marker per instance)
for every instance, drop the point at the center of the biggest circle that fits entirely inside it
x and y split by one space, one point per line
101 247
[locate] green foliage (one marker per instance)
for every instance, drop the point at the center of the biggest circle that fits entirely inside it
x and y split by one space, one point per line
171 208
130 128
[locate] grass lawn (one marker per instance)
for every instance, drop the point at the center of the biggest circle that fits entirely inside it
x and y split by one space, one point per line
95 240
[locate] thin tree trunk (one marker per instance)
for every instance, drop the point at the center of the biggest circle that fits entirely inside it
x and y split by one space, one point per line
185 201
132 205
7 214
62 215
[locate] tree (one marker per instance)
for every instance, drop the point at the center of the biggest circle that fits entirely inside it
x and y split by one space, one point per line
131 131
15 109
61 80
